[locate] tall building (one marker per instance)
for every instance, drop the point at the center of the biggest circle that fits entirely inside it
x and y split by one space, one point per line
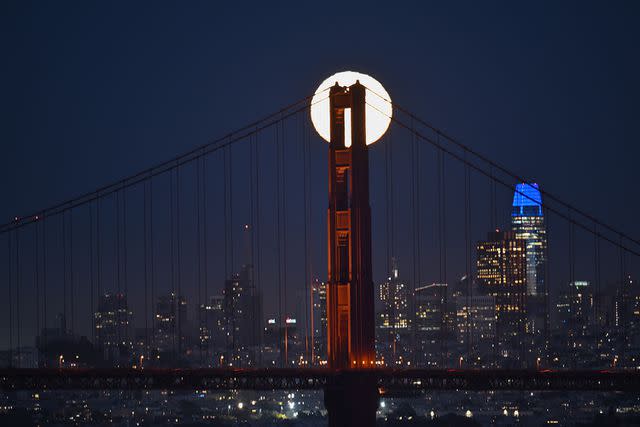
212 327
113 327
319 319
501 268
394 295
527 221
431 325
393 319
242 318
171 314
476 327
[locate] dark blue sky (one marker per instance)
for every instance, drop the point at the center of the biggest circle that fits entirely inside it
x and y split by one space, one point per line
94 91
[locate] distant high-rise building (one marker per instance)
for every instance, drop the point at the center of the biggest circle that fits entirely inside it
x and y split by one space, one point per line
212 326
113 327
243 318
394 320
527 221
501 269
476 325
171 314
431 324
394 295
319 318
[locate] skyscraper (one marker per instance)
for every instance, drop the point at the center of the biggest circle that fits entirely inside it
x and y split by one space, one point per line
393 320
527 221
212 322
431 325
243 318
113 323
501 265
171 313
394 297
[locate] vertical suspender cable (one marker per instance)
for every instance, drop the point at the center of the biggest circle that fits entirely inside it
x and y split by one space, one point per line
179 319
571 275
444 252
228 308
127 298
151 255
145 256
231 224
44 286
467 238
118 307
596 296
71 281
198 258
284 241
623 301
414 234
257 234
91 274
442 274
117 206
278 245
10 247
64 270
249 240
547 326
174 299
307 279
18 288
206 251
98 252
37 275
254 296
307 237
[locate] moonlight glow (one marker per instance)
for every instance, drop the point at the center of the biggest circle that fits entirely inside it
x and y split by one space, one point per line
378 110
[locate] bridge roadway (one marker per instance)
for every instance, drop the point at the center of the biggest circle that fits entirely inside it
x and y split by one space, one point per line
390 381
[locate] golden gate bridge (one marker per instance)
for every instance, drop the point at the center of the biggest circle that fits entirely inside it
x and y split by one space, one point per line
171 231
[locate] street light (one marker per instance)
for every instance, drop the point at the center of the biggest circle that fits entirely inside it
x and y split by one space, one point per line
60 361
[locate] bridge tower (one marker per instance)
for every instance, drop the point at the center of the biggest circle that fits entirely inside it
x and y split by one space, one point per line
350 293
350 305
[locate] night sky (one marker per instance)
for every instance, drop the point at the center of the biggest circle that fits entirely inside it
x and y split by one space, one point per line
95 91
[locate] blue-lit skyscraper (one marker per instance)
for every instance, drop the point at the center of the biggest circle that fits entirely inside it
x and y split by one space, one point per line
527 221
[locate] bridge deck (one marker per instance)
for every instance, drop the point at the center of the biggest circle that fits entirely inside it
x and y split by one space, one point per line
389 380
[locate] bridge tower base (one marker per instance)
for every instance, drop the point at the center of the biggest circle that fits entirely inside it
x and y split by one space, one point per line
352 400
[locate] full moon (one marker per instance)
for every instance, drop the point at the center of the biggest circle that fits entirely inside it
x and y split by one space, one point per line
378 109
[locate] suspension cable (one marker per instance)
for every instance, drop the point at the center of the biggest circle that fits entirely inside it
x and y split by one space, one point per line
506 184
502 169
212 146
